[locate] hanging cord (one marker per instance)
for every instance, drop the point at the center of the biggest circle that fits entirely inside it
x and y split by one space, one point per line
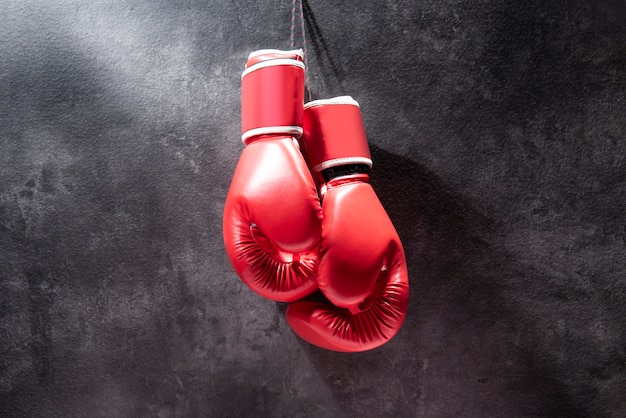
297 4
292 28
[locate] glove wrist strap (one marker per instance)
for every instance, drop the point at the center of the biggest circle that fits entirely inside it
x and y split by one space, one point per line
334 135
272 95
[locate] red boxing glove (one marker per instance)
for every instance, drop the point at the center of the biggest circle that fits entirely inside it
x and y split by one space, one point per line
362 268
272 216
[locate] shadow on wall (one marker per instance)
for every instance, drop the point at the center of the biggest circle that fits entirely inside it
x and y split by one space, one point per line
465 347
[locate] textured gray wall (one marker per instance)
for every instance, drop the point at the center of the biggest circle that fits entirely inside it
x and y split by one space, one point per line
498 136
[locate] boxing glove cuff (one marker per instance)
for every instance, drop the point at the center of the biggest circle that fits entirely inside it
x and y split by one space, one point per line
272 95
334 134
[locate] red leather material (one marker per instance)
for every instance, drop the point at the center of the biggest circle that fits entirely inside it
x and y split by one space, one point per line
362 271
272 220
354 243
272 95
338 329
334 131
272 215
362 267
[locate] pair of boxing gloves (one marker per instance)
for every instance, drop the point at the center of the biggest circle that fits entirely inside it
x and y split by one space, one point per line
301 216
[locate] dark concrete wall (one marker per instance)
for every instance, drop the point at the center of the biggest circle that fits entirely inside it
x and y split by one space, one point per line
498 136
